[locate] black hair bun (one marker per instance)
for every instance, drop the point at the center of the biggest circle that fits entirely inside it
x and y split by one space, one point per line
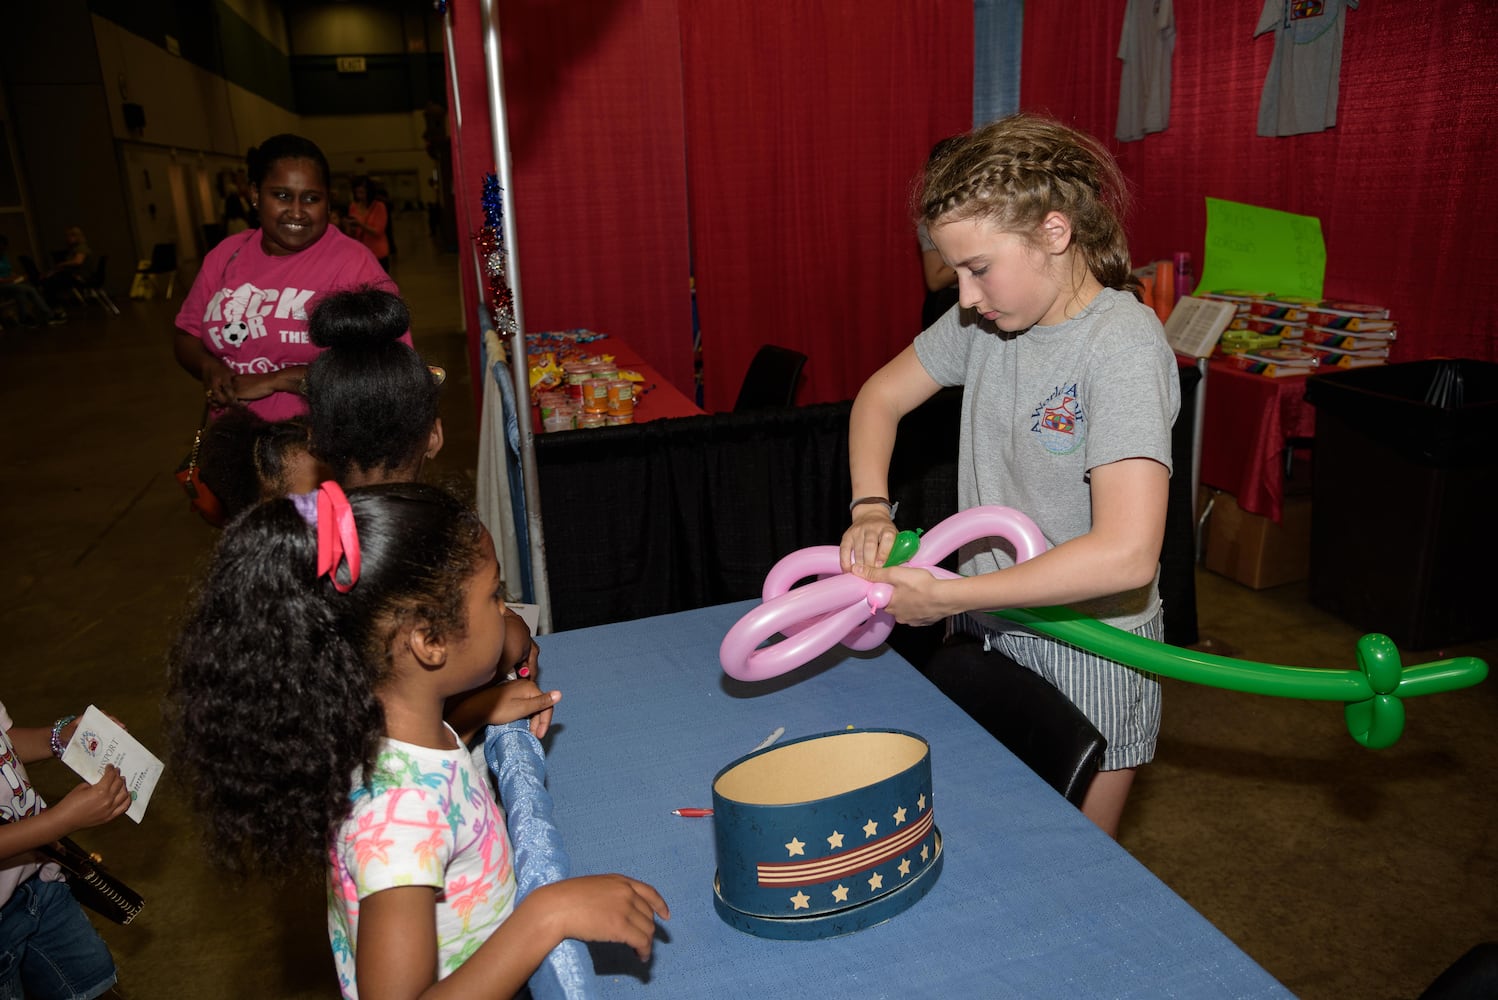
359 317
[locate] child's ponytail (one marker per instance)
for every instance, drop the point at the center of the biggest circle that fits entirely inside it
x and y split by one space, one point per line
273 678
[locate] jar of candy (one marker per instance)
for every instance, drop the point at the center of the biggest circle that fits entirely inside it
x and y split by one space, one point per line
621 396
575 375
595 396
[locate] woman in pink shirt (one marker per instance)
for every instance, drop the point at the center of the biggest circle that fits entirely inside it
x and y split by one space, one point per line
242 329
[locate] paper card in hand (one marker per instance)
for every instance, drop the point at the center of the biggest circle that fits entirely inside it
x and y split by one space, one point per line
100 741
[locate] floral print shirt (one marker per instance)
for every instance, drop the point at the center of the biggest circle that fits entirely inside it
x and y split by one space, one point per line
426 817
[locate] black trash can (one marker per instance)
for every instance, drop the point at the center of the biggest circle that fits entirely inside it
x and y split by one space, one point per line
1404 511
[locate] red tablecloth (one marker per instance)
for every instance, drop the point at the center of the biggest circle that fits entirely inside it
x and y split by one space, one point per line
1246 424
656 398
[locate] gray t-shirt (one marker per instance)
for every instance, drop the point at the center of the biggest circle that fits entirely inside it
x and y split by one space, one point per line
1145 45
1300 90
1042 408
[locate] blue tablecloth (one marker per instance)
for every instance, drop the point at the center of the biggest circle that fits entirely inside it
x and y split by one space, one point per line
1033 901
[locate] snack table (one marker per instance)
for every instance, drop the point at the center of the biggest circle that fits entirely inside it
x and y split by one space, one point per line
1032 901
657 397
1248 423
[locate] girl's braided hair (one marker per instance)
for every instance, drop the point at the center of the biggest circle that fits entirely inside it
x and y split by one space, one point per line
1015 171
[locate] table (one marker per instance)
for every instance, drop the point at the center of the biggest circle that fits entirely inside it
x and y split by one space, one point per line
659 399
1033 900
1248 423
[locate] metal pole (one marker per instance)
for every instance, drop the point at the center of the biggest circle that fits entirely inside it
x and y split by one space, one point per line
1198 424
519 365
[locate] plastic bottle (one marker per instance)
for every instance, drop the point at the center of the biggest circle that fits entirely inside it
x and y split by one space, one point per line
1184 280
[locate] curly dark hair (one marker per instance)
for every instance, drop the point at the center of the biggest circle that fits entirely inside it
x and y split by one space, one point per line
243 457
286 146
371 398
1014 171
271 710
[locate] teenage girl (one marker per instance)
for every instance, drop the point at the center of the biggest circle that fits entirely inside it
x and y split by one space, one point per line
305 696
1070 393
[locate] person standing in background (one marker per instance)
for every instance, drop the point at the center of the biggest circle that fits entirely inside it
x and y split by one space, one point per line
242 329
941 280
369 221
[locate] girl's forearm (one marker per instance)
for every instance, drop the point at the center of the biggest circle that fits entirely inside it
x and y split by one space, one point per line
20 837
1079 570
34 743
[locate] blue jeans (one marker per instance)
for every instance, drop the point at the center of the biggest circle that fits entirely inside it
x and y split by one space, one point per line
48 949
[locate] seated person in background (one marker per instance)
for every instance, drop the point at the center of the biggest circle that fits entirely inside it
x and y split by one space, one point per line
245 459
31 306
372 407
67 273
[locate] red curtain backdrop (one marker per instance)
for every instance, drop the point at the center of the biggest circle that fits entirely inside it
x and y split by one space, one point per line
806 122
788 133
1405 185
593 100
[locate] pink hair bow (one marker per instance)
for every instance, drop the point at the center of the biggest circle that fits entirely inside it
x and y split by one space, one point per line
337 537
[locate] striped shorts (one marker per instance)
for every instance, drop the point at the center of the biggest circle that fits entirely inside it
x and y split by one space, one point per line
1123 703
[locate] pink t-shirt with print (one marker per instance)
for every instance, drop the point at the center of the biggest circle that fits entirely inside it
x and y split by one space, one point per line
250 308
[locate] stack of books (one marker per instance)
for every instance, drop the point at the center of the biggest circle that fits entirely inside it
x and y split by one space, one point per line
1334 333
1276 362
1349 334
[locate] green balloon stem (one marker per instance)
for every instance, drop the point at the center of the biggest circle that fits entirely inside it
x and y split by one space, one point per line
1372 694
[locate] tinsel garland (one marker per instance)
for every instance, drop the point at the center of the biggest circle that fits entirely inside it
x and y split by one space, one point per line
495 258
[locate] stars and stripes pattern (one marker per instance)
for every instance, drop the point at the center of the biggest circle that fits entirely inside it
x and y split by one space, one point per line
860 864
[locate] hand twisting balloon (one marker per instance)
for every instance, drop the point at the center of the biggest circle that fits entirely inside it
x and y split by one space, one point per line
841 607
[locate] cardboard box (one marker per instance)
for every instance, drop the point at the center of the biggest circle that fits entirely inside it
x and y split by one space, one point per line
1253 549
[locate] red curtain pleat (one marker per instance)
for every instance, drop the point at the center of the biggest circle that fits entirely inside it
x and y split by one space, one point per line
593 100
1405 185
806 123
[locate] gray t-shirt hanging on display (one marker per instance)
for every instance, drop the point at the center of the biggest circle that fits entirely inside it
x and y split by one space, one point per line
1146 46
1300 92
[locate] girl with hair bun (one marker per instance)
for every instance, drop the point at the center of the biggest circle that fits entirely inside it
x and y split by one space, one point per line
242 329
305 714
372 400
1069 394
374 420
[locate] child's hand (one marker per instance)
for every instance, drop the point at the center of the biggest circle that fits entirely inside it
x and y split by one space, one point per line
94 805
603 908
868 540
522 699
918 597
528 666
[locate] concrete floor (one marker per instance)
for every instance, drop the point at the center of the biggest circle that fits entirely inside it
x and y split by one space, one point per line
1345 872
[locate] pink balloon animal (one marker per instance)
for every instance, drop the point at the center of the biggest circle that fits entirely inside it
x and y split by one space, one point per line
841 607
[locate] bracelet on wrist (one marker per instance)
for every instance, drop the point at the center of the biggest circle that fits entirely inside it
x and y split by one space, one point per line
891 507
58 746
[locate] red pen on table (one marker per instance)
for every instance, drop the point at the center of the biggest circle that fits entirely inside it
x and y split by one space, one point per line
691 812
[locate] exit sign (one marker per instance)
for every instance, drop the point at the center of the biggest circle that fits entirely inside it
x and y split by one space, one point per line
350 64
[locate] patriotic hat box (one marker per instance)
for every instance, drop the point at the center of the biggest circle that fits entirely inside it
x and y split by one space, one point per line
826 834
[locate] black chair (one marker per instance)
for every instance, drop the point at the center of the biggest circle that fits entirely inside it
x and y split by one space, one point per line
33 274
771 380
1022 711
90 287
163 261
